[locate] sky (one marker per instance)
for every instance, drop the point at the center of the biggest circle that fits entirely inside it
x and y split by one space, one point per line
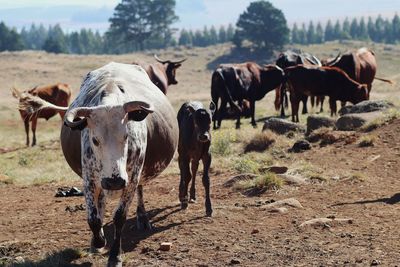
193 14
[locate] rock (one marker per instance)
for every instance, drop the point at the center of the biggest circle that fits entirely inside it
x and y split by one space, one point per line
315 122
19 260
241 177
375 263
235 261
165 246
292 179
291 202
325 222
351 122
280 210
255 231
275 169
281 126
300 146
366 106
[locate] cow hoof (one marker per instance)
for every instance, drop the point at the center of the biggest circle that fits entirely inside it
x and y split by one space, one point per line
209 213
192 200
254 125
114 263
143 223
184 205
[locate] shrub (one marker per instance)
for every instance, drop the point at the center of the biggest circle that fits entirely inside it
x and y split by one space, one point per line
367 140
246 165
260 142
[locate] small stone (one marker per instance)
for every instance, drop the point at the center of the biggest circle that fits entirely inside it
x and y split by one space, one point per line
235 261
19 259
300 145
165 246
255 231
375 263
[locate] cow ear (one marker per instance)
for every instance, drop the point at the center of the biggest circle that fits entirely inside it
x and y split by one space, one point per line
212 108
137 115
177 65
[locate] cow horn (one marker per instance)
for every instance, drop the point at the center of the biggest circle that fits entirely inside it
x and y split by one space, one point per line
15 92
161 61
179 61
73 114
138 105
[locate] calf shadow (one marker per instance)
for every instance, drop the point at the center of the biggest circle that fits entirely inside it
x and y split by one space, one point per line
131 236
387 200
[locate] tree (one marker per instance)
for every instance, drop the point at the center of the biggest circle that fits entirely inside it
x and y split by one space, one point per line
319 34
329 33
396 27
264 25
185 38
371 29
354 29
346 29
303 34
9 39
363 31
222 35
213 36
337 31
138 21
230 32
311 38
380 29
295 34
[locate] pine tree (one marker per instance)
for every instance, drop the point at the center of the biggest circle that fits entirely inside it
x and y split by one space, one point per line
371 29
346 29
389 38
337 31
213 36
319 34
396 28
303 34
380 29
185 38
230 32
354 29
222 35
295 34
329 33
311 36
363 31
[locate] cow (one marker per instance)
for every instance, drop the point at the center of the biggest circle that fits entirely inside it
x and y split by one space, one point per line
360 65
162 73
57 94
287 59
112 137
322 81
194 145
236 82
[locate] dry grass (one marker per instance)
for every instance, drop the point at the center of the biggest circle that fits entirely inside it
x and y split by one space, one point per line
389 115
366 140
260 142
261 183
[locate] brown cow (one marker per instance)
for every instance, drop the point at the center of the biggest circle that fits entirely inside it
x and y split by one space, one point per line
322 81
162 73
360 65
58 94
237 82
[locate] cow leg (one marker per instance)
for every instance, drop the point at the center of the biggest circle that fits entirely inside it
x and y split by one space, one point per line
119 220
240 103
312 101
95 206
142 222
195 166
206 182
216 112
26 123
184 182
304 100
33 127
252 111
342 103
295 102
222 112
283 96
332 105
321 102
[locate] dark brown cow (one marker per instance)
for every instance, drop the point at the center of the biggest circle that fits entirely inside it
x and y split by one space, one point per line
162 73
236 82
322 81
360 65
287 59
58 94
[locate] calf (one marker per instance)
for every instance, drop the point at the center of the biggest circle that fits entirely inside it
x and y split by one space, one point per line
322 81
58 94
194 144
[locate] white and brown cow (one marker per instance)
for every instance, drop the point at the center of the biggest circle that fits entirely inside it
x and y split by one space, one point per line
109 141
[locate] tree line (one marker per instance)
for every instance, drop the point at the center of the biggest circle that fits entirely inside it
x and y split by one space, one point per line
147 24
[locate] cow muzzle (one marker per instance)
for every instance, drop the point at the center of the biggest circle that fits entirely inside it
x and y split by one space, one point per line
113 183
203 137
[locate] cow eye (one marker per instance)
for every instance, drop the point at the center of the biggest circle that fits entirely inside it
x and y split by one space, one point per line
137 115
95 141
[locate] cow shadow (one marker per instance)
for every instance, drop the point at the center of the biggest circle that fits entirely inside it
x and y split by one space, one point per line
59 258
131 236
243 54
387 200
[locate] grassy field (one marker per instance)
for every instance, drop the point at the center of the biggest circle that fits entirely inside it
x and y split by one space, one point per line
28 69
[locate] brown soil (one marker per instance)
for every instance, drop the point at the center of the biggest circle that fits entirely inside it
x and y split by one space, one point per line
33 223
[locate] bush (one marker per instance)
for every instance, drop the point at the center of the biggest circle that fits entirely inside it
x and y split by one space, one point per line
246 165
260 142
221 144
268 181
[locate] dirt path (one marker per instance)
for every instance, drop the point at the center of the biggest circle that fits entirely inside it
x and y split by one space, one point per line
34 223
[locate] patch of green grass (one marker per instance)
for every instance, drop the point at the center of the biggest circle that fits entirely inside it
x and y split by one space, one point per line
221 143
356 177
246 165
366 140
389 115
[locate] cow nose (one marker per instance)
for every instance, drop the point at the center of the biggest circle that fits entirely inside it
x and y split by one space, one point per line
203 137
113 183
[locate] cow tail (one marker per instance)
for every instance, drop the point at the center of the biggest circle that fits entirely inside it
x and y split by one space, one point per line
385 80
228 93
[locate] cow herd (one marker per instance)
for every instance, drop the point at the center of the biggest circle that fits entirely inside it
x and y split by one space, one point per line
121 130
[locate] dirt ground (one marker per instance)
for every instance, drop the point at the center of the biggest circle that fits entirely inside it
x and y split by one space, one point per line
34 223
360 184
